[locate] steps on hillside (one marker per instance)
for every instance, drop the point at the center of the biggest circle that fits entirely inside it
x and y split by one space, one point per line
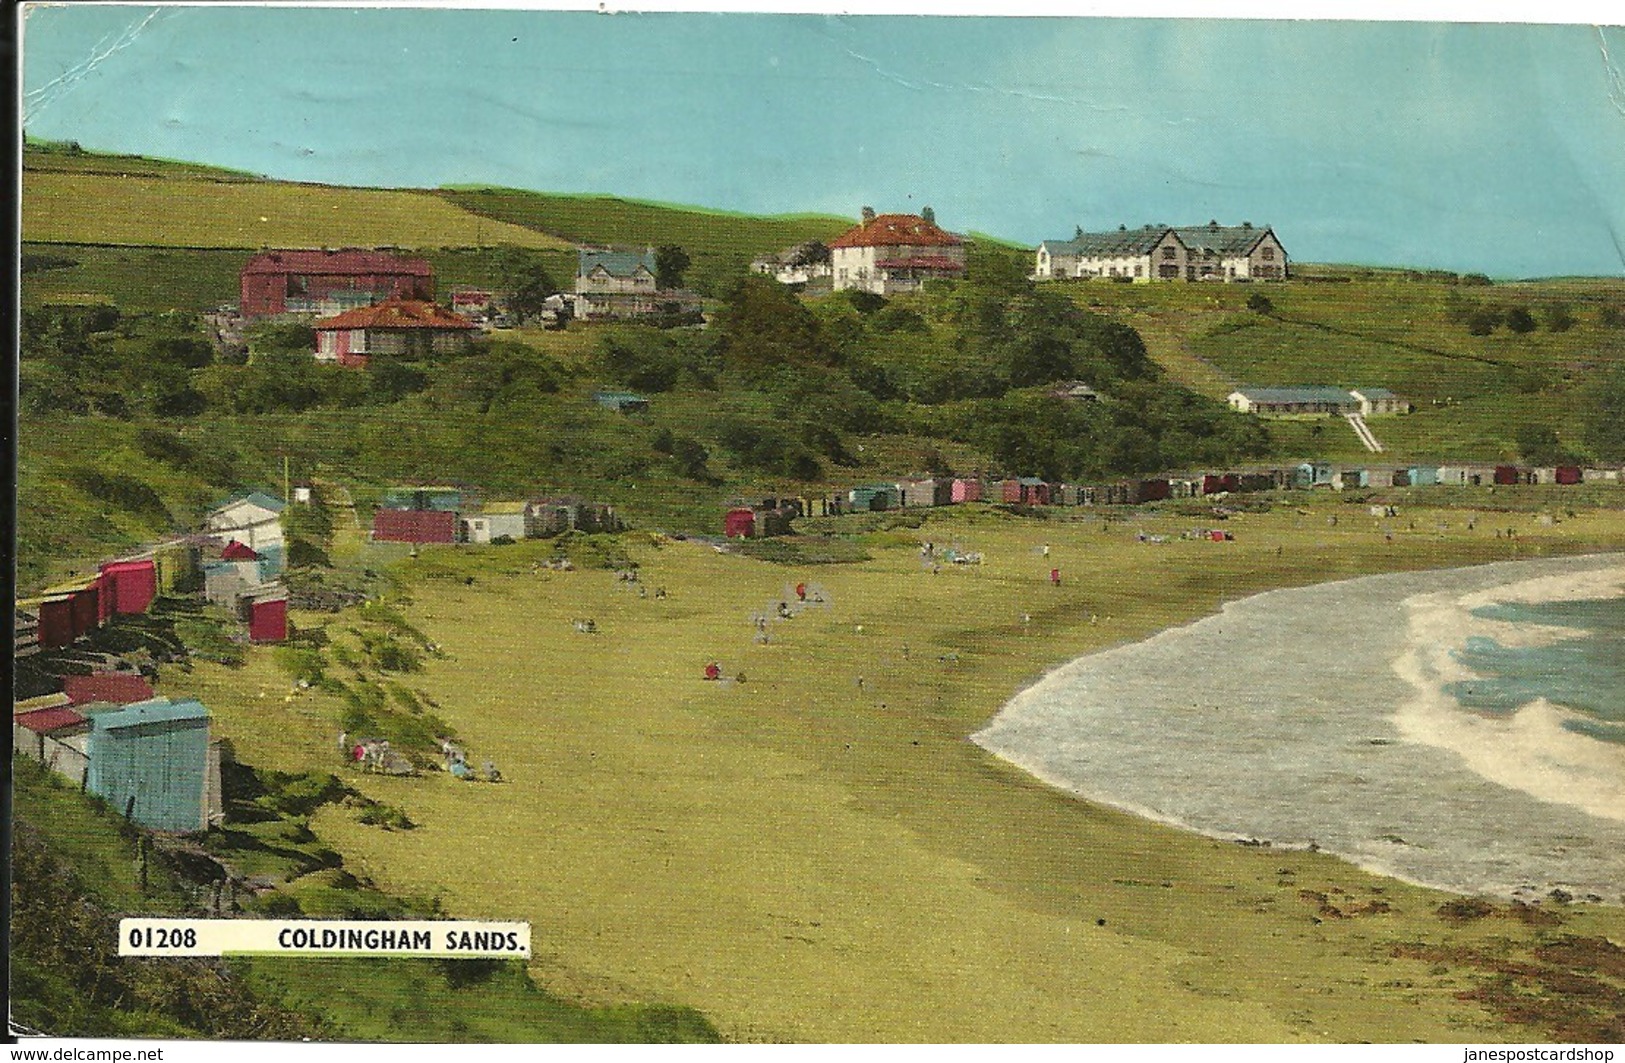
1363 430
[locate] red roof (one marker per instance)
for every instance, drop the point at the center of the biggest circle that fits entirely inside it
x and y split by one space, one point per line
396 313
344 262
236 551
896 230
44 721
921 262
113 688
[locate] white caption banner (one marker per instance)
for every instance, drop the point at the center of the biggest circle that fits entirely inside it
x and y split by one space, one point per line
447 938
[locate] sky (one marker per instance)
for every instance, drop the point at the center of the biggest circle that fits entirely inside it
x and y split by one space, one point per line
1490 148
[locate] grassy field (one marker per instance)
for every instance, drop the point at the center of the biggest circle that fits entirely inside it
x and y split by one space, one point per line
634 223
91 208
1382 329
804 856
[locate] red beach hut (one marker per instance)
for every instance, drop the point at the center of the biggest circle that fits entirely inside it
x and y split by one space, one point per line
128 587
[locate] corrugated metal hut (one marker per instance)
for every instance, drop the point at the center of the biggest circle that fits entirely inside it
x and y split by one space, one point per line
966 490
1591 475
265 611
1026 491
24 631
55 613
1154 490
111 688
873 498
152 761
915 494
739 523
225 581
55 737
129 586
483 527
1424 475
414 526
1568 474
1506 475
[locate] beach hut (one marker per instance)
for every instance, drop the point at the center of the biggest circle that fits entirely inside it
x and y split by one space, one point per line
54 736
484 527
1506 475
1423 475
1568 474
915 494
129 586
1025 491
873 498
55 614
414 526
111 688
265 611
153 762
24 631
963 489
225 581
739 523
1593 475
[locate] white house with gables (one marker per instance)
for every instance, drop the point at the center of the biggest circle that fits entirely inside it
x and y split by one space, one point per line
890 253
618 284
1166 253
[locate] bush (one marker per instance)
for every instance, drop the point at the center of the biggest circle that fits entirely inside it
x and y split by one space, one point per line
1260 303
1520 320
1558 317
1482 320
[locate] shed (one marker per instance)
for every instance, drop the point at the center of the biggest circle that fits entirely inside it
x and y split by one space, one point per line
1156 490
112 688
873 498
621 401
1506 475
483 527
414 526
265 611
1424 475
1567 474
965 490
1026 491
130 586
913 494
55 621
225 581
739 523
53 736
153 761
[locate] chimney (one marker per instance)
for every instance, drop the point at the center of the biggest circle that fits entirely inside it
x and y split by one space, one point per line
868 215
928 215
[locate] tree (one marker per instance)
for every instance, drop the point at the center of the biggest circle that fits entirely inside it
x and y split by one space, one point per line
1481 321
1604 426
1520 320
670 262
764 326
526 282
1539 445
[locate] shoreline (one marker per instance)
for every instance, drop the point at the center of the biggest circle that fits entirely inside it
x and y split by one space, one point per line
1032 732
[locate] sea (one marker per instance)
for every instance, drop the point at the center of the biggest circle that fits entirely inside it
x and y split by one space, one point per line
1459 728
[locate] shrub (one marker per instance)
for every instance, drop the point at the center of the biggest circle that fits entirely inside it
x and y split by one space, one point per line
1483 320
1520 320
1260 303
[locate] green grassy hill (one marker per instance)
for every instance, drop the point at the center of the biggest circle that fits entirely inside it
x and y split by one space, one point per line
1384 329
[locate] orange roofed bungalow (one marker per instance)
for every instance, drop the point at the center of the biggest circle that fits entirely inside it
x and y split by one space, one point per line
402 328
890 253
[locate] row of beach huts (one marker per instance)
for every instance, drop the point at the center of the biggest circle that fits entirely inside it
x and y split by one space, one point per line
772 516
457 515
153 759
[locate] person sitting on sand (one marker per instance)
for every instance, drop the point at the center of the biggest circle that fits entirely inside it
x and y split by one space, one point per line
713 671
784 610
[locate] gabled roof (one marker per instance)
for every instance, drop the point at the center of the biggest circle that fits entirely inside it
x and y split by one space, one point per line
615 263
1313 393
1113 244
158 710
44 721
896 230
258 498
346 261
1221 239
396 314
1374 393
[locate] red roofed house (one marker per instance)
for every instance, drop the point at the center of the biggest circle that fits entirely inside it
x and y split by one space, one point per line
891 253
329 282
403 328
112 688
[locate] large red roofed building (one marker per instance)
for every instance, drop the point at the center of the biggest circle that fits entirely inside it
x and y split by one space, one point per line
329 282
403 328
890 253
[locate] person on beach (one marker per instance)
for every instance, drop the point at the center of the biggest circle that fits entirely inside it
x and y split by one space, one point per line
713 671
1055 577
801 592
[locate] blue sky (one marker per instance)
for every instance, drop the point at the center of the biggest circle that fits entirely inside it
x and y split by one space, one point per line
1496 148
